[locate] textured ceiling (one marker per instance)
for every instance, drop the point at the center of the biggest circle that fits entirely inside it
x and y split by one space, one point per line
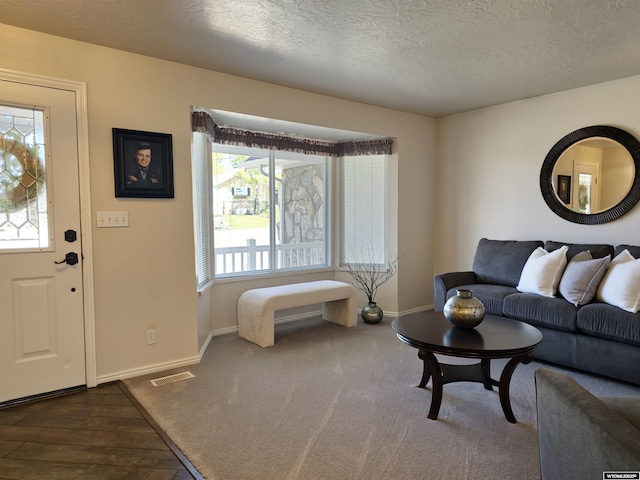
424 56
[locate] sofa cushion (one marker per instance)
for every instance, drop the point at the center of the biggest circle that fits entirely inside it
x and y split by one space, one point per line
606 321
598 250
555 313
500 262
621 284
491 296
542 272
581 278
633 250
578 435
627 407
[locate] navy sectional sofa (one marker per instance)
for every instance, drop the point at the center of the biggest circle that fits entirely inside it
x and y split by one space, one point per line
596 337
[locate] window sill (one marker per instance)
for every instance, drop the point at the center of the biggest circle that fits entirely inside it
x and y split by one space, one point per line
204 287
255 277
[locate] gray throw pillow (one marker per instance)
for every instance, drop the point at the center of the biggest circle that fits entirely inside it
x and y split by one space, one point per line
582 277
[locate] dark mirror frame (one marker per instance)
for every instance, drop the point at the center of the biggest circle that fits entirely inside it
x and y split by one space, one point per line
546 181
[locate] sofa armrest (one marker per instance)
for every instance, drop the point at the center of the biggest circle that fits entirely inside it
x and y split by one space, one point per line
578 434
443 282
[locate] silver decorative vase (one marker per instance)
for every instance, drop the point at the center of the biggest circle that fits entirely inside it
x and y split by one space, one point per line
464 310
372 313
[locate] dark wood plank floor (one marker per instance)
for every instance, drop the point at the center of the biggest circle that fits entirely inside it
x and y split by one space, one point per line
98 433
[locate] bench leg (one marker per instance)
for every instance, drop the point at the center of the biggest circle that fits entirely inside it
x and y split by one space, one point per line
258 329
343 312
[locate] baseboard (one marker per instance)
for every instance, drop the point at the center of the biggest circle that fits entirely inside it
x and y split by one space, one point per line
205 345
149 369
223 331
388 313
425 308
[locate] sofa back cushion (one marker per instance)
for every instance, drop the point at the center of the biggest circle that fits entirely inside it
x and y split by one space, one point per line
633 250
579 436
598 250
501 261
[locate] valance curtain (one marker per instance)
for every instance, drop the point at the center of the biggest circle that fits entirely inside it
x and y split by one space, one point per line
203 123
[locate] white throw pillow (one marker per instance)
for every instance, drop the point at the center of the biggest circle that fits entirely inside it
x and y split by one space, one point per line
542 272
620 286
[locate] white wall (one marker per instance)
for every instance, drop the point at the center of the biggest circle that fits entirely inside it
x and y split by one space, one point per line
144 274
489 164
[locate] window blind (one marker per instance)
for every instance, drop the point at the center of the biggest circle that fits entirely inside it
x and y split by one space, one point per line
363 209
201 164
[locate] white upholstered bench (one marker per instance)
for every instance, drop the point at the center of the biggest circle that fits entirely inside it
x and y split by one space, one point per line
256 307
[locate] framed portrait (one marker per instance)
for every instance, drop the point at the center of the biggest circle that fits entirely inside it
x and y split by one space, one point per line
564 188
143 164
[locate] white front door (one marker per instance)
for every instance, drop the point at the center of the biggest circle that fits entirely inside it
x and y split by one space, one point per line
42 341
586 198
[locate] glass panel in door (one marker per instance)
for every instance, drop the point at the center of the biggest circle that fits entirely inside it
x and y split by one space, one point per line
24 222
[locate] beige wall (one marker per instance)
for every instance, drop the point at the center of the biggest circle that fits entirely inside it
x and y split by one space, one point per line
409 186
487 186
489 164
617 176
144 274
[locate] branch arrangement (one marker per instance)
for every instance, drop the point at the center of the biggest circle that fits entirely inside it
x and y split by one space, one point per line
369 275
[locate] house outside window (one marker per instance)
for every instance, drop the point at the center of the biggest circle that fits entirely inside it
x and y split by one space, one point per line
269 210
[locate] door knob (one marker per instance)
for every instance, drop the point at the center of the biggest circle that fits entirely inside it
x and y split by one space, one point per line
70 258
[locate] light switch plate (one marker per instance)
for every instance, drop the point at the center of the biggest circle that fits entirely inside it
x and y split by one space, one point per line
113 219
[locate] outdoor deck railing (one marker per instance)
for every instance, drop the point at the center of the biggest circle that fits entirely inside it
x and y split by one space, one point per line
252 257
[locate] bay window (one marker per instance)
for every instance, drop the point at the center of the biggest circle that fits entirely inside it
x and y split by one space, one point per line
263 201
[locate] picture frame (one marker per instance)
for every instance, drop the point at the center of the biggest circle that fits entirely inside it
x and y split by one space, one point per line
143 164
564 188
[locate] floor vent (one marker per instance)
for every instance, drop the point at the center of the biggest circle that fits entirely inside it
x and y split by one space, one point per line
176 377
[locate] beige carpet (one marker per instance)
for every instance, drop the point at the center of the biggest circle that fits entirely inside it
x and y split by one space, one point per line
332 403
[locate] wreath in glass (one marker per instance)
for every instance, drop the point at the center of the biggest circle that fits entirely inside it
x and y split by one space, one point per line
21 174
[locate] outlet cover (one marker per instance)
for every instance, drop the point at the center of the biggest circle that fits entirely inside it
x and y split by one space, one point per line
151 336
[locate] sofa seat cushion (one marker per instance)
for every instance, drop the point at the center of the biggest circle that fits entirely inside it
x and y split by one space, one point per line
555 313
491 296
606 321
500 262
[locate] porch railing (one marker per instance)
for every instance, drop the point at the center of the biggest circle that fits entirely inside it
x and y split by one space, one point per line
252 257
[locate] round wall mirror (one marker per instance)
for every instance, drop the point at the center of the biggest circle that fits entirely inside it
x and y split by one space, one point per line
592 175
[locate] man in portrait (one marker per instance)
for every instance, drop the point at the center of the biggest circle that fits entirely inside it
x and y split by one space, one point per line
143 171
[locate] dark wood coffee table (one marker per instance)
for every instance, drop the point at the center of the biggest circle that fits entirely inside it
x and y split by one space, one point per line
496 337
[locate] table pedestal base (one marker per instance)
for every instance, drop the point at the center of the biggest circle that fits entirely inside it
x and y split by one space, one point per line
441 374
